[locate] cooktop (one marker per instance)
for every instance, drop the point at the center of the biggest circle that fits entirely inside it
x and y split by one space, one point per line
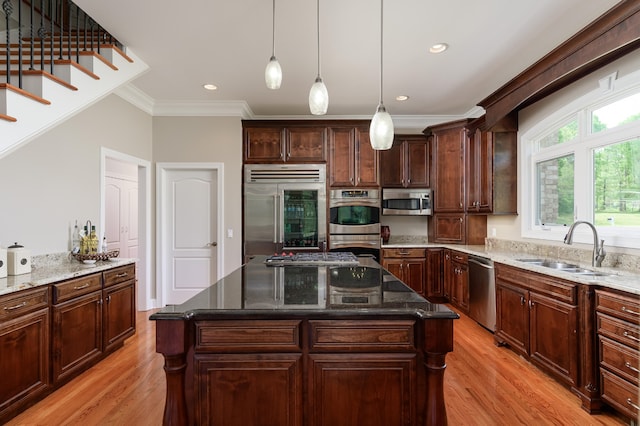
344 258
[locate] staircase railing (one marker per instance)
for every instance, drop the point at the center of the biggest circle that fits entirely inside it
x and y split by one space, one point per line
48 30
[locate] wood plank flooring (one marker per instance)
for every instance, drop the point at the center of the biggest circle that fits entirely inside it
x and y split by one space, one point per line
484 385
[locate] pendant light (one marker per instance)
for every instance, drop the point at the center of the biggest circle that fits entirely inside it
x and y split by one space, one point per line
318 95
381 128
273 72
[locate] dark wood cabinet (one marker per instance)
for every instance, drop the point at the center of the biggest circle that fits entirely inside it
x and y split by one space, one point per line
457 228
406 163
448 143
119 309
408 265
434 287
537 316
491 183
618 329
279 142
272 382
77 326
352 160
24 350
459 276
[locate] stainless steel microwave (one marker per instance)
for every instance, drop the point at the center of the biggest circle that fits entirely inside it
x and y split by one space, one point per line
406 202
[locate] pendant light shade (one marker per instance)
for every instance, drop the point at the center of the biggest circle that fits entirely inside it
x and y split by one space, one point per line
381 128
273 72
318 95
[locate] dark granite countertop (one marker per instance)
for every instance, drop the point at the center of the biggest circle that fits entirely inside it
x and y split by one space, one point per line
257 290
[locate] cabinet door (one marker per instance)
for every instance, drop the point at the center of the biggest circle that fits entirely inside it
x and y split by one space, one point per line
553 338
271 382
371 390
449 171
366 160
119 313
392 174
460 286
77 334
263 145
449 228
24 364
447 270
414 274
304 144
341 157
394 266
512 317
417 174
434 287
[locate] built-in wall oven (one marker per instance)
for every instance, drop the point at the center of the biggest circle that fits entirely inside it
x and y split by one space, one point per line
354 221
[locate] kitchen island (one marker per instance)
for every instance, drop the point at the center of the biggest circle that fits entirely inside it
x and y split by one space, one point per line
305 345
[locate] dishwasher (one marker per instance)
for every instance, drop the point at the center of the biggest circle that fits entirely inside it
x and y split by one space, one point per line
482 292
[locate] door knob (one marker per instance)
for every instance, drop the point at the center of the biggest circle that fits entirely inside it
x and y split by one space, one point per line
213 244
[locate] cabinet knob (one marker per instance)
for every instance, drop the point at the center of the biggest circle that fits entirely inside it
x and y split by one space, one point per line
521 300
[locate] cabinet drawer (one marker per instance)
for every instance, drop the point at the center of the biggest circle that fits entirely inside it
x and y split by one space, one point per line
23 302
620 359
246 336
119 275
619 306
362 335
618 330
459 257
557 288
620 394
403 252
77 287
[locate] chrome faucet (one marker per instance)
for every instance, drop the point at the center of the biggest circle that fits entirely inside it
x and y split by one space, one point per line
598 245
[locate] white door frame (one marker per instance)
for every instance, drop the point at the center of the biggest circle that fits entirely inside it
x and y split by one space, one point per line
144 291
161 181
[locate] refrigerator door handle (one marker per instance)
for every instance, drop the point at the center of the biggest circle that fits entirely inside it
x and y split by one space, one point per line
275 219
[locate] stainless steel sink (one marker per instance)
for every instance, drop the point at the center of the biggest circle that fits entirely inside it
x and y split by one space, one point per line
565 267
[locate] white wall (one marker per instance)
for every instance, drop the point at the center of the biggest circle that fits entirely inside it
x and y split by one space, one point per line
208 139
55 179
509 227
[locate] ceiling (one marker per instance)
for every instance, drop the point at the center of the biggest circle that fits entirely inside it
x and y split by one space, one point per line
228 43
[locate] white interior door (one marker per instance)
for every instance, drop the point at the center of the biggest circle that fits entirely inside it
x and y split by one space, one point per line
121 209
188 232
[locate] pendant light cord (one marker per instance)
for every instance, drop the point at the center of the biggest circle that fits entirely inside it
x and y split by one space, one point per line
381 38
318 30
273 31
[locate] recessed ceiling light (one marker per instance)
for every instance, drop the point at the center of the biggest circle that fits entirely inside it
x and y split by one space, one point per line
210 87
401 98
438 48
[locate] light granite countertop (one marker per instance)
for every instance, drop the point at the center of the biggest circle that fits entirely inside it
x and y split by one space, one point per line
624 271
48 269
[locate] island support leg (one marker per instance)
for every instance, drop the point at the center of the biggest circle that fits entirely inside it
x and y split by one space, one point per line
438 341
171 343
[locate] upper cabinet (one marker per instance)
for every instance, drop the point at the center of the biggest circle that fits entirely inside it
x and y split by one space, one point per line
352 160
278 142
406 163
492 167
448 151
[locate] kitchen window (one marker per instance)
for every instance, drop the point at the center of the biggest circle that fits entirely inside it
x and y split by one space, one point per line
583 163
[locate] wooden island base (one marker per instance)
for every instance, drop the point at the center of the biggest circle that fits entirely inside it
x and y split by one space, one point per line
305 371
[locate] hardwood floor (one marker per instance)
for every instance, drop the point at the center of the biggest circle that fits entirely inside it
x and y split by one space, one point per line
484 385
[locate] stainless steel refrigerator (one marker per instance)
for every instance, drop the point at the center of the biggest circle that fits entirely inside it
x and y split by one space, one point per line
284 208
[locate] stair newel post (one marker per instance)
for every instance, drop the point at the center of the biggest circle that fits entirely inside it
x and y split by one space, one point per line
7 8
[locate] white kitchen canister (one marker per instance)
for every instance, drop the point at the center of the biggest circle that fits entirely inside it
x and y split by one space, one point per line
18 260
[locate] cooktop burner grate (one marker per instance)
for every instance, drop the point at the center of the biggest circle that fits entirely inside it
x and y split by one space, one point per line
301 259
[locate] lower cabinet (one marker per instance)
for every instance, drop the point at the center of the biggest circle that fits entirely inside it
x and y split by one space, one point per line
537 317
434 286
618 328
24 350
458 275
408 265
119 306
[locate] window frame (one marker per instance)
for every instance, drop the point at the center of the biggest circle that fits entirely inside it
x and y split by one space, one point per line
582 147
